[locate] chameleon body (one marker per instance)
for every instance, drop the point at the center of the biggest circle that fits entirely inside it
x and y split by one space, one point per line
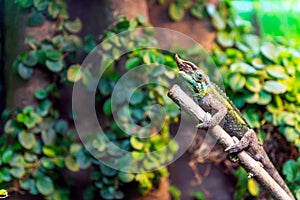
214 101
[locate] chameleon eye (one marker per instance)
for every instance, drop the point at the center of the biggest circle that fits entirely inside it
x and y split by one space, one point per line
199 76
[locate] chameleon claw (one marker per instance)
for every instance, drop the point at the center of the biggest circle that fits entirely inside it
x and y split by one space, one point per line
250 175
203 125
235 148
199 126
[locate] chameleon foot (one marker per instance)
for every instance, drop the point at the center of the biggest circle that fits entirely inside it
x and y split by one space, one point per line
245 141
232 157
250 175
205 124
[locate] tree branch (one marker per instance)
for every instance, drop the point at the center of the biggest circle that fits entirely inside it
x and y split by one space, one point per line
225 140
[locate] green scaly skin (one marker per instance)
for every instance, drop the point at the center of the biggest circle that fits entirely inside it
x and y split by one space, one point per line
214 101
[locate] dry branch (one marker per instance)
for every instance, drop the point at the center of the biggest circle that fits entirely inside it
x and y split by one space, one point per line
225 140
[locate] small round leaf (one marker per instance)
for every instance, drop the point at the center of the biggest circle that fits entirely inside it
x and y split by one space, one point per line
27 140
74 73
274 87
126 177
24 72
54 66
225 39
176 12
45 185
237 81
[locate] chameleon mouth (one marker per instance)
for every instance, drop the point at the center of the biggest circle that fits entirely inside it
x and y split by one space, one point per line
183 65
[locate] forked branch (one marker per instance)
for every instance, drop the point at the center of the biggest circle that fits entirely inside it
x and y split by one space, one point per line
225 140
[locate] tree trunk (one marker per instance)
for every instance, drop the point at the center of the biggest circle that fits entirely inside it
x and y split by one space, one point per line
19 92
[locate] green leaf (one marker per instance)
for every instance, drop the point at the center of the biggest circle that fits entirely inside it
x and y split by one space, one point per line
269 51
225 39
47 163
136 143
252 118
107 193
28 110
197 10
173 146
274 87
31 59
258 63
24 3
199 195
141 18
83 160
89 43
54 55
290 170
137 97
108 171
137 155
253 84
7 155
149 58
126 177
74 73
35 19
237 81
27 140
176 12
107 109
5 174
17 161
22 118
40 5
218 22
54 66
24 72
17 172
276 71
49 151
172 109
43 108
61 126
48 136
27 183
45 185
34 119
74 26
29 157
243 68
175 192
40 93
132 63
253 187
291 134
264 98
71 164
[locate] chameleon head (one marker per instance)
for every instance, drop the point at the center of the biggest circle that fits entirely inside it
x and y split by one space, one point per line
195 78
185 66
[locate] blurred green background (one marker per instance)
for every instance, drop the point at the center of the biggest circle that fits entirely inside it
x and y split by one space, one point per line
273 17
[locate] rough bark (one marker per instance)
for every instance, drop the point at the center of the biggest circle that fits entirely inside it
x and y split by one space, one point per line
19 92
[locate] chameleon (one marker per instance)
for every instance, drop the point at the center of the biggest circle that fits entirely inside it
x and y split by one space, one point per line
213 100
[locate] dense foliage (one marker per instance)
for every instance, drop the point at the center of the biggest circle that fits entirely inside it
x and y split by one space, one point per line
37 145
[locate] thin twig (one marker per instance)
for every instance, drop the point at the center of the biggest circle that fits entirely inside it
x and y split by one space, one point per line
225 140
